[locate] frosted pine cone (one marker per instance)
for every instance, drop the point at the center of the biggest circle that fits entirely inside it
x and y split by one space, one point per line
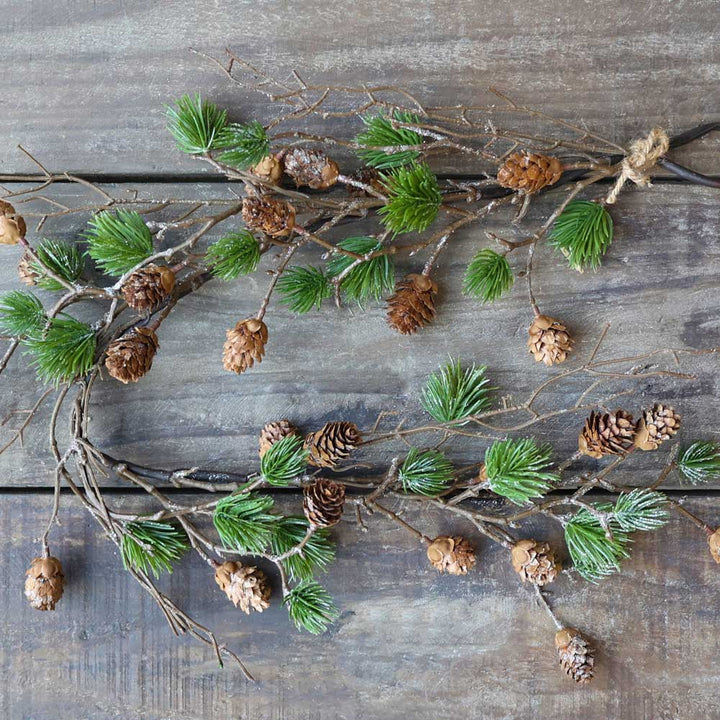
270 169
656 425
44 583
131 356
412 306
535 561
27 275
148 287
577 657
333 442
246 586
549 340
607 434
274 431
323 503
311 167
453 555
529 172
12 225
245 345
714 543
275 218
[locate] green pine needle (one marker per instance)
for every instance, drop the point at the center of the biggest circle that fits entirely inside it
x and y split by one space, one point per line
243 522
367 280
414 199
317 554
583 232
152 546
284 461
62 258
380 133
641 509
700 462
245 145
118 241
516 469
303 288
236 254
195 124
21 314
488 276
426 472
65 351
311 607
452 393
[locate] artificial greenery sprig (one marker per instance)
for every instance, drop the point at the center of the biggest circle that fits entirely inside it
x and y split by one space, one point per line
453 393
150 546
384 145
118 241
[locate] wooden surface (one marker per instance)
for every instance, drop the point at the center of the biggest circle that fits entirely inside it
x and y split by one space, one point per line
86 83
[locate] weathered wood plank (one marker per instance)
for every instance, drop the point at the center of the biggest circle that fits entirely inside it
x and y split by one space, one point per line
409 642
657 288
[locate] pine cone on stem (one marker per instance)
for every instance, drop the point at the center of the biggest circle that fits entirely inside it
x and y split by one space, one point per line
323 503
269 169
332 443
245 345
12 225
311 167
607 434
549 341
453 555
246 586
529 172
657 424
412 306
274 431
535 562
714 545
577 657
148 287
44 584
27 275
273 217
131 356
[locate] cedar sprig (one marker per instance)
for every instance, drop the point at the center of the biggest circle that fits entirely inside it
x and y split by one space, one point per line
303 288
63 258
236 254
368 279
380 132
150 546
284 461
426 472
21 314
195 124
700 462
516 469
488 276
118 241
414 198
317 553
244 144
244 523
311 607
583 232
452 393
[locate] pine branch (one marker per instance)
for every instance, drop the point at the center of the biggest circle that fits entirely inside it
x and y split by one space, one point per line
414 199
303 288
118 241
317 553
21 314
311 607
195 124
641 509
243 522
151 546
284 461
488 276
583 232
700 462
426 472
244 145
236 254
367 280
380 133
62 258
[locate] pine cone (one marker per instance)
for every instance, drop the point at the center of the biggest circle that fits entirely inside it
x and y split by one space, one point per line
270 169
12 225
323 503
656 425
44 583
246 586
312 168
275 218
714 543
333 442
274 431
549 340
607 434
27 275
529 172
412 306
453 555
148 287
131 356
535 561
577 657
245 345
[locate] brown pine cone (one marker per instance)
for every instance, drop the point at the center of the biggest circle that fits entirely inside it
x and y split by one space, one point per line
311 167
44 583
412 306
656 425
607 434
12 225
577 657
274 431
549 340
131 356
27 275
529 172
148 287
245 345
535 561
273 217
323 503
453 555
270 169
246 586
333 442
714 543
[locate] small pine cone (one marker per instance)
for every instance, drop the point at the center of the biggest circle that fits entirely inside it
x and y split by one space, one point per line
529 172
453 555
27 275
656 425
607 434
577 657
245 345
270 169
44 583
371 178
535 561
714 543
149 286
274 431
246 586
312 168
12 225
131 356
323 503
333 442
549 340
412 306
273 217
